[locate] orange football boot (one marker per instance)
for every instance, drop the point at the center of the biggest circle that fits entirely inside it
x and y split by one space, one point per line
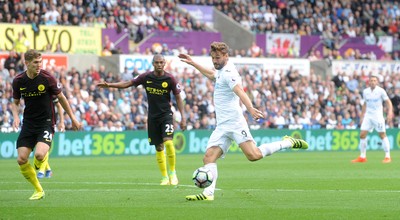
359 160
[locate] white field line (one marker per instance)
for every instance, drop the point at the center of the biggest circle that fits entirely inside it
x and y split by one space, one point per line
184 186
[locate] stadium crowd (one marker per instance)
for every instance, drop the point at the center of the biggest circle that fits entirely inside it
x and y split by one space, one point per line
288 99
332 20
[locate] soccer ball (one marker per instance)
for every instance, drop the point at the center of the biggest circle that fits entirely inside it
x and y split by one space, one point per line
202 177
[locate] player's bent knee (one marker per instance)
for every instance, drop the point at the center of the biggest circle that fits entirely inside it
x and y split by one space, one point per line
39 157
22 161
254 157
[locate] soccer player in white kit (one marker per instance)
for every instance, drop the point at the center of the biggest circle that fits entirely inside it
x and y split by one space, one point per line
231 124
372 118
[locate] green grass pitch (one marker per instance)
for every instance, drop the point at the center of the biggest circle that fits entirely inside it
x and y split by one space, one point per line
287 185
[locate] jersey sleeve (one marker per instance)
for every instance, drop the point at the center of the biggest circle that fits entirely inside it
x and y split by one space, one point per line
176 87
16 92
55 86
139 80
233 79
55 99
384 95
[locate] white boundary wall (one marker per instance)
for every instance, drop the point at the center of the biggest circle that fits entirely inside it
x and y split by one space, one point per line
367 66
143 63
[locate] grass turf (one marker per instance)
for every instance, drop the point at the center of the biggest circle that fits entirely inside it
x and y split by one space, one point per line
292 185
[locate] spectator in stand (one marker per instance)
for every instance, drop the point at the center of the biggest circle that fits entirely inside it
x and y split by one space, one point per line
346 120
370 39
255 50
94 74
339 80
12 60
52 14
396 56
352 83
165 50
100 22
21 44
310 17
4 75
108 44
106 52
126 75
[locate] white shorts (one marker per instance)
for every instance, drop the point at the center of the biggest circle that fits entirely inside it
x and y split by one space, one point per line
223 136
369 123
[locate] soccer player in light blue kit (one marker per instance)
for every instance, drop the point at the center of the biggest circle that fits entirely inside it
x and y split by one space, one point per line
231 124
372 117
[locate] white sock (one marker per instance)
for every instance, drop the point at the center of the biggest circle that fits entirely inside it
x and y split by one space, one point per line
363 148
386 146
209 191
270 148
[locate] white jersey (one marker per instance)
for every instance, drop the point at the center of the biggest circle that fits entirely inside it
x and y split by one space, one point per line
227 108
374 101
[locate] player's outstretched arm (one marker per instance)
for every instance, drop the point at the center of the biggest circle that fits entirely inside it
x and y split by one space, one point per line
255 113
179 102
363 110
389 106
15 112
76 125
119 85
61 124
209 73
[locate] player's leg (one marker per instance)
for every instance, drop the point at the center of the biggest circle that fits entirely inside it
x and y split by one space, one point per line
171 157
48 172
167 134
42 167
155 138
379 125
25 144
363 147
386 147
44 139
41 155
254 153
209 160
28 172
162 164
366 126
217 146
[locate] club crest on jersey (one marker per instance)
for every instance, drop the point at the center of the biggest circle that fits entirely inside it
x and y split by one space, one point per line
41 87
164 84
